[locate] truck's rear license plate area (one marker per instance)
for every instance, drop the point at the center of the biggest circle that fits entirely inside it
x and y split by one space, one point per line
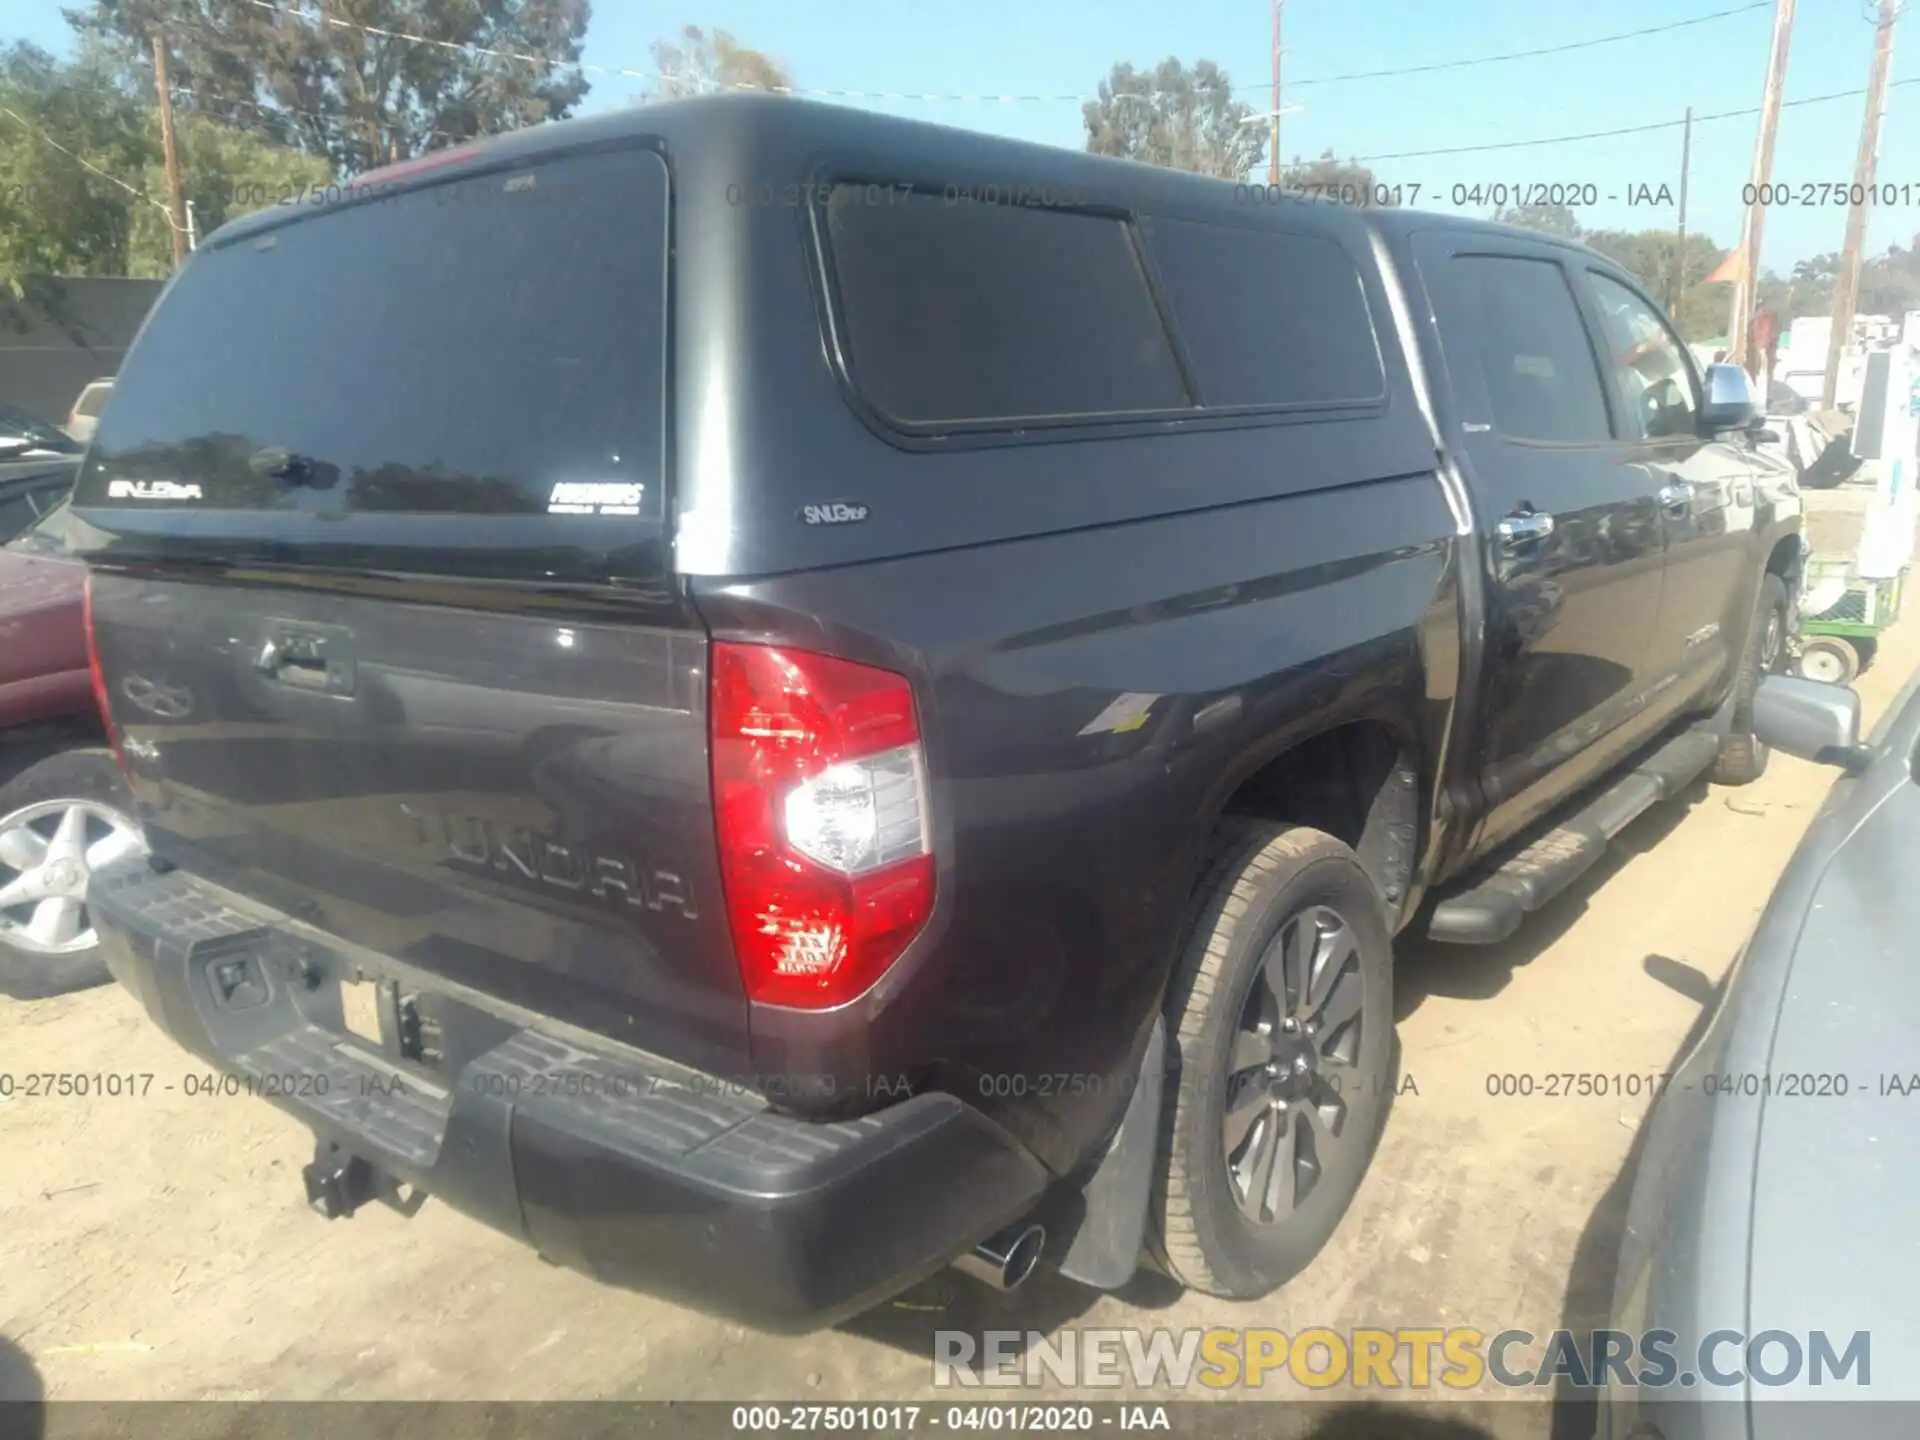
360 1006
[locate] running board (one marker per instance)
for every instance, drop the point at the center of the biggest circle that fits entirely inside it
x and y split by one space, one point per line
1493 909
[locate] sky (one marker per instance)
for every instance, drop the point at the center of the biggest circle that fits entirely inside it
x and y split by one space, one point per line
987 48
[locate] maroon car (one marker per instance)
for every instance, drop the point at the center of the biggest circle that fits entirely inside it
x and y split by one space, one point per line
63 806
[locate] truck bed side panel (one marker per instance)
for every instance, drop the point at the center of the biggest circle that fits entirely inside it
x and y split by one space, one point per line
1091 698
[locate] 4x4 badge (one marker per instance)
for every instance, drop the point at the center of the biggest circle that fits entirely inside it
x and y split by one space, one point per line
838 512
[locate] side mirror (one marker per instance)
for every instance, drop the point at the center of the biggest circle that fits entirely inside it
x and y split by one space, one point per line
1812 720
1730 404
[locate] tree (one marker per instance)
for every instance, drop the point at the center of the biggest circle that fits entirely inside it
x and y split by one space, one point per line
1648 255
346 93
59 217
104 216
1890 283
1806 290
224 173
1347 181
1170 115
703 62
1548 219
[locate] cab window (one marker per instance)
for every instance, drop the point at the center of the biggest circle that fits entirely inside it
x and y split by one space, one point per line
1649 366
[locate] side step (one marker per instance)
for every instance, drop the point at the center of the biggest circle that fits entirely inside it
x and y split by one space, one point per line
1493 909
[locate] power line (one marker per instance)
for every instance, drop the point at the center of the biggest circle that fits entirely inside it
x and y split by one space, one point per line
1528 54
85 163
1610 134
205 106
265 112
1077 97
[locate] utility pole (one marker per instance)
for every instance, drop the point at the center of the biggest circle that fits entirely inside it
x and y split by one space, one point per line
1846 288
1273 165
176 200
1746 283
1680 251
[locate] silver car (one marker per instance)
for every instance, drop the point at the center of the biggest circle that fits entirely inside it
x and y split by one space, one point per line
86 410
1778 1183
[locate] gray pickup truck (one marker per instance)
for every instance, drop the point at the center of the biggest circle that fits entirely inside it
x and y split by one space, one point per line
780 698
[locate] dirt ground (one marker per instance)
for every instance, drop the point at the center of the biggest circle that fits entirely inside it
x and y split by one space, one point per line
160 1247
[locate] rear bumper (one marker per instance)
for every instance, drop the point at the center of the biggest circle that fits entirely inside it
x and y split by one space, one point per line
629 1169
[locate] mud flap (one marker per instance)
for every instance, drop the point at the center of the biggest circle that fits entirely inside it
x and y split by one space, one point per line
1105 1248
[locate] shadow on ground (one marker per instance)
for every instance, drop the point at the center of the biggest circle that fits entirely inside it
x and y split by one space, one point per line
22 1396
1369 1420
950 1301
1588 1301
1426 967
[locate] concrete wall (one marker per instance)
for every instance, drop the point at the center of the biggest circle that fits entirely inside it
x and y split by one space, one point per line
64 334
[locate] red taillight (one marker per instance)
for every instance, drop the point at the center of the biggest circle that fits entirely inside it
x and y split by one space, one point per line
819 789
99 677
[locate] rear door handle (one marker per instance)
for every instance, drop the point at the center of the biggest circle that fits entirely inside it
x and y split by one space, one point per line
1520 529
1677 496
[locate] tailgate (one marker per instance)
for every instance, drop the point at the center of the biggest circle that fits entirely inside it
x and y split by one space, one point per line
383 604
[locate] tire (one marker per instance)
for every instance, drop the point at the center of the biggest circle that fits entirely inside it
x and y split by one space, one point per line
1832 466
35 803
1743 757
1830 659
1265 884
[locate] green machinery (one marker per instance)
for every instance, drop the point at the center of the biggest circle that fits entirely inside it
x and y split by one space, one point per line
1846 601
1838 642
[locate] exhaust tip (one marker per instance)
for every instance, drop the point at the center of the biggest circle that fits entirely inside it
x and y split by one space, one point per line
1008 1259
1024 1257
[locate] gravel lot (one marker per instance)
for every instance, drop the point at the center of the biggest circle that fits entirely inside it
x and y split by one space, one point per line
160 1247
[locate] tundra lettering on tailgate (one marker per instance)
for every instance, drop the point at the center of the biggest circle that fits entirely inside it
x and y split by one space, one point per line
520 853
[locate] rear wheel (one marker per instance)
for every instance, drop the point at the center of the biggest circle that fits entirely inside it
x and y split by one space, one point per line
61 818
1830 659
1743 756
1282 1016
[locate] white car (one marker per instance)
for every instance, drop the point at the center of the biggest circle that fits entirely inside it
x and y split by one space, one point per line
86 410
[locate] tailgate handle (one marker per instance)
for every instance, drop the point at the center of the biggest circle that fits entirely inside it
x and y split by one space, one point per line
308 659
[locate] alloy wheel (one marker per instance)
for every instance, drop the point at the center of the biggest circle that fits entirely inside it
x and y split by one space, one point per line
1292 1066
48 853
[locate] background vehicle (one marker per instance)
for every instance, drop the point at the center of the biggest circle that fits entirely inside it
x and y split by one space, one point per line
87 409
37 465
1797 1097
63 804
25 437
964 796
